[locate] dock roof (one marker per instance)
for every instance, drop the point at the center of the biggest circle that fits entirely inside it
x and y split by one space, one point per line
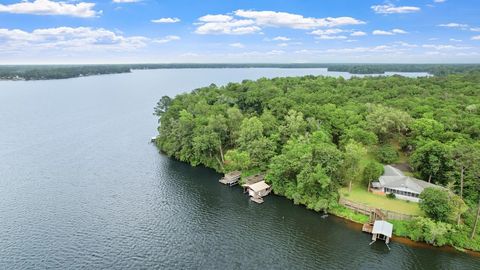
382 227
258 186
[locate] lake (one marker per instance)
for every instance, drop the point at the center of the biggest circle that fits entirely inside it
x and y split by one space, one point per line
81 187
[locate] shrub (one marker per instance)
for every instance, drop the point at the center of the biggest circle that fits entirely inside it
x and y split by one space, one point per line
391 196
387 154
436 204
434 233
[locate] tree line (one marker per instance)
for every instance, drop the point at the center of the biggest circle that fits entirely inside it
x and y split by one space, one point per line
50 72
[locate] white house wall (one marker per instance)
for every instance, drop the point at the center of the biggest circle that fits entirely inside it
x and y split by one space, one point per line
403 197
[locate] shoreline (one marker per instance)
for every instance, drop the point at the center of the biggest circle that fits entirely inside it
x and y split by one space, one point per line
358 225
49 72
406 240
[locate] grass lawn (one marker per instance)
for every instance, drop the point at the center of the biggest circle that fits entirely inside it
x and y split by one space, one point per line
361 195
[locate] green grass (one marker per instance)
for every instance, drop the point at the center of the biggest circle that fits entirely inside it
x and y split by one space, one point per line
361 195
343 212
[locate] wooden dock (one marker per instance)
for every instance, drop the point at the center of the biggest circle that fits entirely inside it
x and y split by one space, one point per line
257 200
231 178
367 227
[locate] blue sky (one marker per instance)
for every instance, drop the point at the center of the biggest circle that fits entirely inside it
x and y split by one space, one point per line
164 31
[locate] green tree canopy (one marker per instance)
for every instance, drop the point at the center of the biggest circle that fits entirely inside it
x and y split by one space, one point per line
438 204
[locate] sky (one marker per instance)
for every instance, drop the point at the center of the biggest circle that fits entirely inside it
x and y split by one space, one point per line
239 31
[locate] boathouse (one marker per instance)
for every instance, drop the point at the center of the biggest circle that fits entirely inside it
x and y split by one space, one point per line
252 180
231 178
258 190
382 230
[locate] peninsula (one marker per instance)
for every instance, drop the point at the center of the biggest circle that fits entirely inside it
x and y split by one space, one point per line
321 140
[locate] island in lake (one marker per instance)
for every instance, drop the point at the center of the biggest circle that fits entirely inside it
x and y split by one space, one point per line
328 143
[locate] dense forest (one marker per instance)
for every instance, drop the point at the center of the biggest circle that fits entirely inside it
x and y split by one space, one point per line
49 72
314 135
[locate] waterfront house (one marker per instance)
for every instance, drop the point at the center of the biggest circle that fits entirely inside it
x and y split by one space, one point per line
404 187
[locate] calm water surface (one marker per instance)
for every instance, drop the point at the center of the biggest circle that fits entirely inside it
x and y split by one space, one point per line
81 188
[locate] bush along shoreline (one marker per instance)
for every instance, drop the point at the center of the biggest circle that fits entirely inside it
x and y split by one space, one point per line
314 135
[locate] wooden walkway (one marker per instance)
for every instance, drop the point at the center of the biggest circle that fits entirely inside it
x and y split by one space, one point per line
367 210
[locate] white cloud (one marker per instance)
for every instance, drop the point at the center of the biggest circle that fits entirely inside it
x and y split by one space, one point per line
190 54
295 21
382 33
250 21
215 18
127 1
476 38
328 34
78 39
281 38
166 39
275 52
444 47
332 31
358 34
256 54
453 25
374 49
392 9
389 33
439 1
47 7
399 31
284 44
224 24
405 44
328 37
304 51
237 45
455 40
166 20
461 26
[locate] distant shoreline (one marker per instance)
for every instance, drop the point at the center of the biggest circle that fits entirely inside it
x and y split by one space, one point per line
53 72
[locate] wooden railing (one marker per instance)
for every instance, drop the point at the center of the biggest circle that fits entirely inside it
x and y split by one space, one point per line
367 210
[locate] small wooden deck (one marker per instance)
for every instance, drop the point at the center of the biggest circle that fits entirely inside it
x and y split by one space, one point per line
375 214
231 178
230 182
367 227
257 200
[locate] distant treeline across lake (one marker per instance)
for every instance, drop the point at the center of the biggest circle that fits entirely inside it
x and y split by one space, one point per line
51 72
